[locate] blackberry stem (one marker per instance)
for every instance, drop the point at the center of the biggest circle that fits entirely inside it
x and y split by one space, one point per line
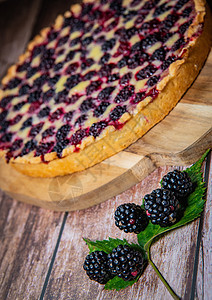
171 291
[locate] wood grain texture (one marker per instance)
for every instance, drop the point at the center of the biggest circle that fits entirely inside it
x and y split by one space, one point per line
16 29
173 254
180 139
28 236
204 275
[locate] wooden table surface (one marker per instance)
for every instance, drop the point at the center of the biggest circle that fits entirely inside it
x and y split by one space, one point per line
42 252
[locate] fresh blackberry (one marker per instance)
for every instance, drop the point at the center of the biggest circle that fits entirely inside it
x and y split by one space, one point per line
178 182
131 218
126 262
162 207
96 267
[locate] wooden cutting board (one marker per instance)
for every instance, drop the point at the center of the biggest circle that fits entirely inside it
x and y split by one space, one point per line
180 139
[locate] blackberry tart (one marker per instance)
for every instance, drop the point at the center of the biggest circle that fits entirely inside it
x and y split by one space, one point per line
97 80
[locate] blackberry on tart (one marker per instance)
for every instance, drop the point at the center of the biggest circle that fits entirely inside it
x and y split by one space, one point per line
98 79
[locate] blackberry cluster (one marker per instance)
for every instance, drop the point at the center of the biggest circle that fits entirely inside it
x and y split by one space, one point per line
96 267
162 207
126 262
178 182
131 218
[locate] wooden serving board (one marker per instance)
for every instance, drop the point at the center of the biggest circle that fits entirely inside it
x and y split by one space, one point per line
180 139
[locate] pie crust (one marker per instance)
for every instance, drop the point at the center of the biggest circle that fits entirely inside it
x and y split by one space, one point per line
92 150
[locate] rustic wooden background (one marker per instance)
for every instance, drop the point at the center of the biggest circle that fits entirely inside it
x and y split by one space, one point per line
42 252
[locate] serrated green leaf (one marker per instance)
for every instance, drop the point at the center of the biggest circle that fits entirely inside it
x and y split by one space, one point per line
118 283
193 210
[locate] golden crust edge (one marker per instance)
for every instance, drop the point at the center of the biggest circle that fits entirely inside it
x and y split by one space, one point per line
149 116
50 157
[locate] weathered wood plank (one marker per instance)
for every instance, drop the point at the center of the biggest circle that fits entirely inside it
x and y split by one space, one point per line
28 236
204 275
173 254
17 19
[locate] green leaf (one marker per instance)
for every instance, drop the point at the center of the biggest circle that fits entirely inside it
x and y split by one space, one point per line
193 210
108 246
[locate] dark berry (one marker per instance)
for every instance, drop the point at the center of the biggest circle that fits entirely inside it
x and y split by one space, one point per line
170 21
184 27
44 148
44 112
108 45
60 145
113 77
125 79
18 106
72 81
61 96
125 94
52 35
71 68
48 95
94 85
97 128
152 81
28 147
3 115
187 12
117 112
52 81
101 109
96 267
146 72
56 115
16 119
6 137
126 262
40 81
167 62
35 129
122 63
78 136
150 40
70 56
27 123
87 63
178 182
31 71
62 40
62 132
24 89
13 83
68 116
161 9
159 54
180 4
178 44
48 132
162 207
86 41
81 120
89 75
105 93
87 104
58 66
131 218
5 101
34 96
23 67
16 145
